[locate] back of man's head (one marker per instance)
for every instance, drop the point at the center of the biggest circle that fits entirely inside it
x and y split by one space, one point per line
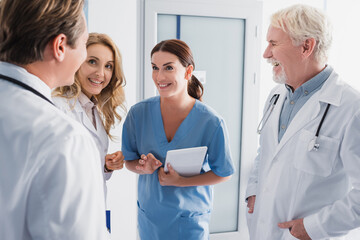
27 26
302 22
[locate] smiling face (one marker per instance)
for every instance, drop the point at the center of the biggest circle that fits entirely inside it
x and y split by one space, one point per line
283 55
169 75
96 72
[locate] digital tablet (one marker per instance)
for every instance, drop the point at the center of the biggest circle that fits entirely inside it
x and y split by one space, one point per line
186 161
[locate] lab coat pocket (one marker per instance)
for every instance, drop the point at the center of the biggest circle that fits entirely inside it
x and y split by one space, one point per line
316 162
194 226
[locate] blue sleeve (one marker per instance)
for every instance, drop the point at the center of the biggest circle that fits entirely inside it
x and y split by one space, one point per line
219 155
129 146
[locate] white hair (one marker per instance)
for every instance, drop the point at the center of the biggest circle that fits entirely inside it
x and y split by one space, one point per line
303 22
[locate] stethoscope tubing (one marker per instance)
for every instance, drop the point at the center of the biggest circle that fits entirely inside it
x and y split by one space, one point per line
271 106
267 114
322 120
25 86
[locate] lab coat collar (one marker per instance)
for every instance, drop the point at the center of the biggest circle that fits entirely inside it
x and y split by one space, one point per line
22 75
84 119
331 92
99 132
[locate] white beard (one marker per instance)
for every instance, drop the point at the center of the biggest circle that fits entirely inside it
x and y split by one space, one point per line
281 78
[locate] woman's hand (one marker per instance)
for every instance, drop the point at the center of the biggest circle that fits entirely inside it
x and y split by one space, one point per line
147 164
114 161
171 178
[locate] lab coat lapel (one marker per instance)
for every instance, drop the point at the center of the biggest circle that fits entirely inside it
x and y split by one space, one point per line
275 115
101 133
306 114
329 93
84 119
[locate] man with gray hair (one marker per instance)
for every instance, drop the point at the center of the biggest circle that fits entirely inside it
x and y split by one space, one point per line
305 182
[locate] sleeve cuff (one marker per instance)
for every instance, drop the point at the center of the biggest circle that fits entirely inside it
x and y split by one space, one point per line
106 170
250 191
107 175
313 227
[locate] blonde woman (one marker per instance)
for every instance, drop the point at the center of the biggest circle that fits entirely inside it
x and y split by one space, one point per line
95 96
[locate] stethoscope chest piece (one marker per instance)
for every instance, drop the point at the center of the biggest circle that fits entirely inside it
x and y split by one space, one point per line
313 145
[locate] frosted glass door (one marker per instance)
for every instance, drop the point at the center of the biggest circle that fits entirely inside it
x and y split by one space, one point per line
218 48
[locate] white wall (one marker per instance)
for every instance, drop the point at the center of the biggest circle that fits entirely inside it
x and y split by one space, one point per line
119 19
346 43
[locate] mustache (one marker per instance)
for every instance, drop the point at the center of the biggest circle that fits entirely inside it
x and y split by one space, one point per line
273 61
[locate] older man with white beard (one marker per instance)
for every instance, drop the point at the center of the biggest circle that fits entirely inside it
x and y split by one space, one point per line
305 183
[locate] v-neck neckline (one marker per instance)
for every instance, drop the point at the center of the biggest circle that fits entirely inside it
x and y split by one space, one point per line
180 131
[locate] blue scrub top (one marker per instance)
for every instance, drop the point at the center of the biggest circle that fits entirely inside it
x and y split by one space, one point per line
167 212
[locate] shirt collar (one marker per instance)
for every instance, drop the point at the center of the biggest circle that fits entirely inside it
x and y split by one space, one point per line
22 75
85 102
312 84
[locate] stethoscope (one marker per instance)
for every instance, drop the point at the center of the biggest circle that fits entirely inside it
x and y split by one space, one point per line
268 112
313 144
27 87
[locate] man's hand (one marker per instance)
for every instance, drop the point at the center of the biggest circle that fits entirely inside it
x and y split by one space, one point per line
171 178
147 164
251 203
296 228
114 161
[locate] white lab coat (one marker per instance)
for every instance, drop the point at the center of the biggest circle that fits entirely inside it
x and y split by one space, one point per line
323 186
50 182
72 107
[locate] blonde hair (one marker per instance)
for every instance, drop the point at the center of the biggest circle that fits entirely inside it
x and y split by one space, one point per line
302 22
112 96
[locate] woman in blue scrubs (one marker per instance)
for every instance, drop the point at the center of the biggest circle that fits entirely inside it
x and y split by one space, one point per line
171 206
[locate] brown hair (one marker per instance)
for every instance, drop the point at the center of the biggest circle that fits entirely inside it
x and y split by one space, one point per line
184 54
112 96
26 27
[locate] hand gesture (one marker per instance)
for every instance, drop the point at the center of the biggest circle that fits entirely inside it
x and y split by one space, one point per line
251 203
296 228
171 178
114 161
147 164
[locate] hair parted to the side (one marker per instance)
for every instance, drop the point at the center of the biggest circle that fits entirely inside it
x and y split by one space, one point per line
302 22
27 26
112 96
184 54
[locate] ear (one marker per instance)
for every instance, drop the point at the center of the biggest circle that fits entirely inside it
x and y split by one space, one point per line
59 47
308 47
189 71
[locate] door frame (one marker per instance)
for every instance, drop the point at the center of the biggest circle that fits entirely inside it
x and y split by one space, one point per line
251 12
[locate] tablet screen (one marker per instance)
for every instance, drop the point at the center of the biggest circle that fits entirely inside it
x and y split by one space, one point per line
186 161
